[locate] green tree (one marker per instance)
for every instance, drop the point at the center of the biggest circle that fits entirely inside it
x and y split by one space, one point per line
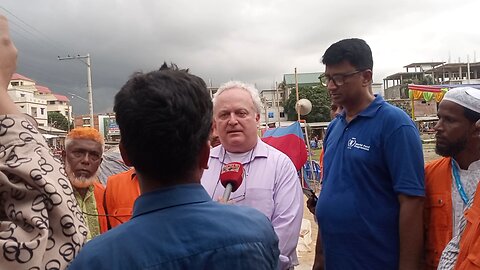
57 120
423 80
320 99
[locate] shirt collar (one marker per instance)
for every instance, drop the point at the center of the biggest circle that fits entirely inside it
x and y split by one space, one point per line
371 110
170 197
260 150
87 194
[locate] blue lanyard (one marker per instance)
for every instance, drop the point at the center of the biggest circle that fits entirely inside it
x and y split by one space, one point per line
459 185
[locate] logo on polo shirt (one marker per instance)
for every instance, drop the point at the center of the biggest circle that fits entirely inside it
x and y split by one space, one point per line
352 143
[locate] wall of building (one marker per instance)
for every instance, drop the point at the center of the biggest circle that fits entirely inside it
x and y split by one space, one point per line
30 104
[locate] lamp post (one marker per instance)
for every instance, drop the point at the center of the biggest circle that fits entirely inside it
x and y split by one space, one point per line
89 80
92 124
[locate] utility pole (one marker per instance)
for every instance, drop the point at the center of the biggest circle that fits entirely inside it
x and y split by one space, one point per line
296 90
89 81
278 104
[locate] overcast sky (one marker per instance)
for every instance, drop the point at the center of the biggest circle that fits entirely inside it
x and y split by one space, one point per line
219 40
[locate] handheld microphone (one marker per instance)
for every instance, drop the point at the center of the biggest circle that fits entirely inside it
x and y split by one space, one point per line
231 178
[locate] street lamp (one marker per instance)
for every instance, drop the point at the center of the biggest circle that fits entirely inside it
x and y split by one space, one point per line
89 80
83 99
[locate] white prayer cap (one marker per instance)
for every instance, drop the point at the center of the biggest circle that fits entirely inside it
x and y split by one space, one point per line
467 97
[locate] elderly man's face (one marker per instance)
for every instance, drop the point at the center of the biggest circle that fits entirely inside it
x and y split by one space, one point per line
236 120
82 159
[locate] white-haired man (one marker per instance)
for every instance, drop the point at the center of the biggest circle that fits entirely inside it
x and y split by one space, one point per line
271 182
82 157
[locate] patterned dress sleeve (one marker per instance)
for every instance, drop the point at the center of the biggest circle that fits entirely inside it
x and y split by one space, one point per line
41 225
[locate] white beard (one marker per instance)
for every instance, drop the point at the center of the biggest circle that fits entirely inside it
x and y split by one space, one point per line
79 182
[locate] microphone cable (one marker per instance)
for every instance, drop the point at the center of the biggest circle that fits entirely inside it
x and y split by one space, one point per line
106 215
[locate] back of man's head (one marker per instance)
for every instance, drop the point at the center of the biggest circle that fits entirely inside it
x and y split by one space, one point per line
353 50
165 119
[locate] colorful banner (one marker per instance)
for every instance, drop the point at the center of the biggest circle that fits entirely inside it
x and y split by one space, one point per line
290 141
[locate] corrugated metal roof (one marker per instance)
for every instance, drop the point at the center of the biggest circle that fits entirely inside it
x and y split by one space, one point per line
303 78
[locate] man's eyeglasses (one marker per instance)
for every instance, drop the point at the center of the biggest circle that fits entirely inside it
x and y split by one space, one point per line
338 79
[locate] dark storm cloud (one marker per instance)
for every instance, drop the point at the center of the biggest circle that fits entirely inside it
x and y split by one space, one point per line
219 40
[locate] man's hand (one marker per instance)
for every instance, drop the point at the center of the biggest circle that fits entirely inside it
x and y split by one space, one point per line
8 64
8 55
311 204
411 232
318 263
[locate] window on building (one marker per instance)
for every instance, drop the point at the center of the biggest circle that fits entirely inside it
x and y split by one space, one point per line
34 112
51 102
271 115
14 83
42 111
282 114
22 95
281 95
269 103
86 121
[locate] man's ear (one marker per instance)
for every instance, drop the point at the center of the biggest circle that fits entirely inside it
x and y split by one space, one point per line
124 155
367 77
476 131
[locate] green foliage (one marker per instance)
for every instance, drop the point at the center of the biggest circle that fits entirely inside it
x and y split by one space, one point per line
57 120
320 99
423 80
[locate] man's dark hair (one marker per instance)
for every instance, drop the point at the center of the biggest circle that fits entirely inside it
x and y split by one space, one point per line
353 50
472 116
165 119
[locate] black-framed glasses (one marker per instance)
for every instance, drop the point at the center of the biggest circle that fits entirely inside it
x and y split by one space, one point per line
338 79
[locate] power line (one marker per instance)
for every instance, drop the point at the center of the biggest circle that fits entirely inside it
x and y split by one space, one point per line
39 33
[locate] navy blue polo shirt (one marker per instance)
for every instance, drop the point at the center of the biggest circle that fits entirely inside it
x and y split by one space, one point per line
367 164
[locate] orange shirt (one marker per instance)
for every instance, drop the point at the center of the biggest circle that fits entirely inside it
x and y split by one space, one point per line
438 214
98 192
120 194
469 256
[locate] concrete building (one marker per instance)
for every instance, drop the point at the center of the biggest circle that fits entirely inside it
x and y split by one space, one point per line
106 124
455 73
55 102
37 100
23 92
273 102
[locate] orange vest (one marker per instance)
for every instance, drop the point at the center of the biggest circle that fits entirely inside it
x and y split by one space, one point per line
98 192
121 192
438 214
320 163
469 256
